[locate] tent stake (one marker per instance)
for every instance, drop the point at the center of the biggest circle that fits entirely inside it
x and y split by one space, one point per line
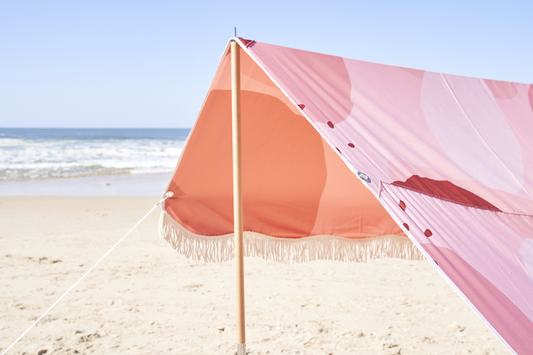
237 194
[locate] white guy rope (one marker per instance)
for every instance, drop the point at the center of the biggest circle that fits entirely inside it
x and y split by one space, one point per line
167 195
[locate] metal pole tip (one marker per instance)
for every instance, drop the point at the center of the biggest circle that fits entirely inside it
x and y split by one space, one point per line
241 349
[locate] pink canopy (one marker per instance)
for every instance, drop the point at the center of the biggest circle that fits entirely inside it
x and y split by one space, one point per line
351 160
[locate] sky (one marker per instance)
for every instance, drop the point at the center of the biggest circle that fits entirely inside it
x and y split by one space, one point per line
148 64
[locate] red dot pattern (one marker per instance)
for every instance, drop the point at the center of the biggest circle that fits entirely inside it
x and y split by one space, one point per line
402 205
338 150
331 125
351 145
302 106
427 232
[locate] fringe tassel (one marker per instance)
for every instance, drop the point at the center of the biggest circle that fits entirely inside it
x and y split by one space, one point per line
324 247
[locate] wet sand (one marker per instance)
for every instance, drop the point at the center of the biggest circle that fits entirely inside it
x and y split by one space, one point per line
101 185
146 299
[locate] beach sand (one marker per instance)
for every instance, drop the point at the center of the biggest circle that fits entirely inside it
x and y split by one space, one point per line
146 299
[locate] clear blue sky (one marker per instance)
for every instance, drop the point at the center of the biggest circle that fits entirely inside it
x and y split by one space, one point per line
149 63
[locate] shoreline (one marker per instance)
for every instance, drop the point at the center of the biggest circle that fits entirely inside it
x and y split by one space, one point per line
99 185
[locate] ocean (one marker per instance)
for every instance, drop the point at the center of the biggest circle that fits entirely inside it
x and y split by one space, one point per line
66 161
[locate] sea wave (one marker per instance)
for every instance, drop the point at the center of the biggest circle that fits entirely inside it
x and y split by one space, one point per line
25 159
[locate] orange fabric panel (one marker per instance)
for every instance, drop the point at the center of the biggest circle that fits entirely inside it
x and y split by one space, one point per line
347 207
294 185
283 178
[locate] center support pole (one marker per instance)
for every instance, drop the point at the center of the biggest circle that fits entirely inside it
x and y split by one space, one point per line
237 194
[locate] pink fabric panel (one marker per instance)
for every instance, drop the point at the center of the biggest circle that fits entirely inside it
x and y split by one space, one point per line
318 81
464 118
471 133
518 111
530 94
480 237
512 325
411 110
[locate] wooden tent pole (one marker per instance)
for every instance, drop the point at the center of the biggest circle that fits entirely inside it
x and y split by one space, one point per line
237 194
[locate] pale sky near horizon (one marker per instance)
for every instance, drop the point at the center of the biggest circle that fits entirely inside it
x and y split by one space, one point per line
148 64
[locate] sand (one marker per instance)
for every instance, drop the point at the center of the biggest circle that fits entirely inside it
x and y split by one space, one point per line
146 299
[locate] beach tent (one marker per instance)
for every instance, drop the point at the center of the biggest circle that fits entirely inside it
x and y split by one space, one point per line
349 160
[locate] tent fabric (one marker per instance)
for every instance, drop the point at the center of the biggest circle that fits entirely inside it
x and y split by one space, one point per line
346 159
294 185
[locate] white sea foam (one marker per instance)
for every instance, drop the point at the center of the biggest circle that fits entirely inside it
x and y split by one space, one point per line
25 158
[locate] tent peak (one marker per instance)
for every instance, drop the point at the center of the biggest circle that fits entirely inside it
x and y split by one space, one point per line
245 42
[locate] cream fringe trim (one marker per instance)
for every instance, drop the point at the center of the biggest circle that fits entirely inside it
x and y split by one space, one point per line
324 247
